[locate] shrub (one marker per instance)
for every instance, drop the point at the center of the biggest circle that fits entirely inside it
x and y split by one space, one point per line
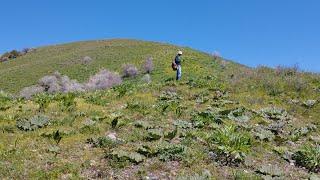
148 65
216 55
129 70
86 60
103 80
230 144
14 54
70 85
28 92
58 83
27 50
50 83
287 71
308 157
4 59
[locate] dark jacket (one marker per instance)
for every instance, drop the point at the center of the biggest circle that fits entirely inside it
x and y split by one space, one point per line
177 60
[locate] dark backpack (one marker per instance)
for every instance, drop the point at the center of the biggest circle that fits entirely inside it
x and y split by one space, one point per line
174 66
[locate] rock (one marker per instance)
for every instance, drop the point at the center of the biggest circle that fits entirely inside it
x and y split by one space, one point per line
89 122
294 101
309 103
112 136
315 139
212 155
270 170
146 78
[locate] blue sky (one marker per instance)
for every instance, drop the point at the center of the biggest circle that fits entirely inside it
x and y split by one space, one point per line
252 32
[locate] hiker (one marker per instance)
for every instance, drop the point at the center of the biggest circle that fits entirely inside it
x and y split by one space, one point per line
177 62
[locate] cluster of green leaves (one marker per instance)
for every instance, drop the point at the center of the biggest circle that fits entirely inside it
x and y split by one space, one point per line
123 89
103 142
230 142
300 132
125 156
97 98
67 101
239 115
33 123
210 82
263 134
170 101
274 113
171 152
139 106
164 150
217 115
43 100
5 101
309 157
202 118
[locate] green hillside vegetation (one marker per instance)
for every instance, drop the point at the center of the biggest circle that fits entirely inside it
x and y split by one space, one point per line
223 120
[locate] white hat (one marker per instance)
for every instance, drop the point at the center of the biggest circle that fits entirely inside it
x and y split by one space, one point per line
180 52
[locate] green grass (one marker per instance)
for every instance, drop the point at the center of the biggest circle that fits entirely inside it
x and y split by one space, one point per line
161 128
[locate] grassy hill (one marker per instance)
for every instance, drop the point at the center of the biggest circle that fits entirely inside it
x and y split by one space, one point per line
221 121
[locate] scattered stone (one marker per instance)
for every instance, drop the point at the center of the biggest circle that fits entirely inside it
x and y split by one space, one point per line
270 170
146 78
315 139
113 136
294 101
89 122
309 103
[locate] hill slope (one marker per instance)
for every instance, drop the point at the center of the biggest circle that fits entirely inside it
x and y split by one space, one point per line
110 54
222 120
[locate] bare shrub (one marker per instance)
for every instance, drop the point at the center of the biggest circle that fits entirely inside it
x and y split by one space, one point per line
4 59
70 85
50 83
216 55
148 65
129 70
27 50
103 80
86 60
296 83
58 83
28 92
287 71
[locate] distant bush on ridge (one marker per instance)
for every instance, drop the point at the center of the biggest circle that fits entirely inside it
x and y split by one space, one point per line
129 70
148 65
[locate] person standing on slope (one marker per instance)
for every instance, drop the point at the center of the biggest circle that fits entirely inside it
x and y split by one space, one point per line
177 61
